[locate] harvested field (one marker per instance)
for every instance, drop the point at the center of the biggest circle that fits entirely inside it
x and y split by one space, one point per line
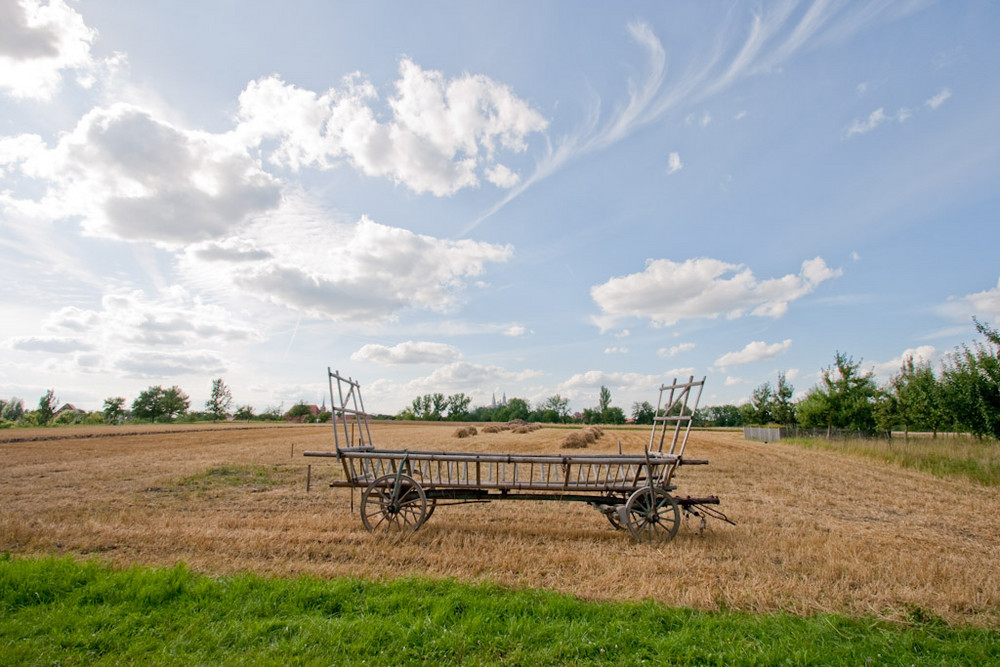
817 530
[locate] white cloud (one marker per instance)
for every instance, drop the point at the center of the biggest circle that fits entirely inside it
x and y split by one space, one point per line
53 344
674 163
137 336
875 119
442 132
466 377
938 99
984 305
667 292
133 176
666 353
515 331
616 350
38 43
925 354
733 381
754 351
361 271
410 352
630 382
501 176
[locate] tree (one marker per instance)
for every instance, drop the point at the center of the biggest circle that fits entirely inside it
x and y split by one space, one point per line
972 385
175 402
782 408
13 409
912 399
758 410
844 398
613 415
553 409
157 403
516 408
244 413
114 409
218 403
643 413
458 406
604 400
149 404
718 415
300 411
47 407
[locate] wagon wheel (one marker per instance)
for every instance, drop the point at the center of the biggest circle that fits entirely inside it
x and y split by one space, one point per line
431 504
651 515
384 506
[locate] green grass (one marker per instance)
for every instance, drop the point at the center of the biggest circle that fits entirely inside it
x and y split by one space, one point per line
948 456
56 610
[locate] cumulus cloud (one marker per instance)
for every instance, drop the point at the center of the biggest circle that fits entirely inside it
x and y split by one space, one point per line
629 382
667 292
924 354
38 44
674 163
733 381
515 331
138 336
673 350
133 176
441 134
754 351
985 305
54 344
410 352
459 376
360 271
616 350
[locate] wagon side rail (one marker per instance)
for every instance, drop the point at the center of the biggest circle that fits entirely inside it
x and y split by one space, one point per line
550 473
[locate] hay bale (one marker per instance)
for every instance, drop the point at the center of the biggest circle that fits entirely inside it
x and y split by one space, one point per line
574 440
588 435
492 428
461 433
472 430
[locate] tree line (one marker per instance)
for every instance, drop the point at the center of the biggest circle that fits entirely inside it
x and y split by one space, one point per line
155 404
964 396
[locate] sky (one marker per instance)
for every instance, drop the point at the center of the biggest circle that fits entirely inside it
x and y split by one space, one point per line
513 199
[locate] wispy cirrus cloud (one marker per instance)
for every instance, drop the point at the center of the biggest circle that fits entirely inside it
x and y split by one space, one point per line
752 43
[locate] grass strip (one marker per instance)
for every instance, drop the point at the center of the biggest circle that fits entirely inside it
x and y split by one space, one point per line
962 457
57 610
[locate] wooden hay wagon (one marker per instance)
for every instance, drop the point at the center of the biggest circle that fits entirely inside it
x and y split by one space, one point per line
402 488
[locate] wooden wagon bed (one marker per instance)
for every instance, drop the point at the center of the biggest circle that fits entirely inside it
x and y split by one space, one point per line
401 488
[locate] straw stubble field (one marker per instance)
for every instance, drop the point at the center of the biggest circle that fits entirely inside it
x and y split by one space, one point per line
816 531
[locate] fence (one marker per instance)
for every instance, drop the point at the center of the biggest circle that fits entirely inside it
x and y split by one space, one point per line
769 434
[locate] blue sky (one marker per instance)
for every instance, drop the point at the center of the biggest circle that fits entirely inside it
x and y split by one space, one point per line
515 198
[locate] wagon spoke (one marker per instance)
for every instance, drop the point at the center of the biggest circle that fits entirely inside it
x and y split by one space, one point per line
651 514
392 503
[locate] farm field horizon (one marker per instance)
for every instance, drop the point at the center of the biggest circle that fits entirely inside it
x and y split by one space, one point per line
817 531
